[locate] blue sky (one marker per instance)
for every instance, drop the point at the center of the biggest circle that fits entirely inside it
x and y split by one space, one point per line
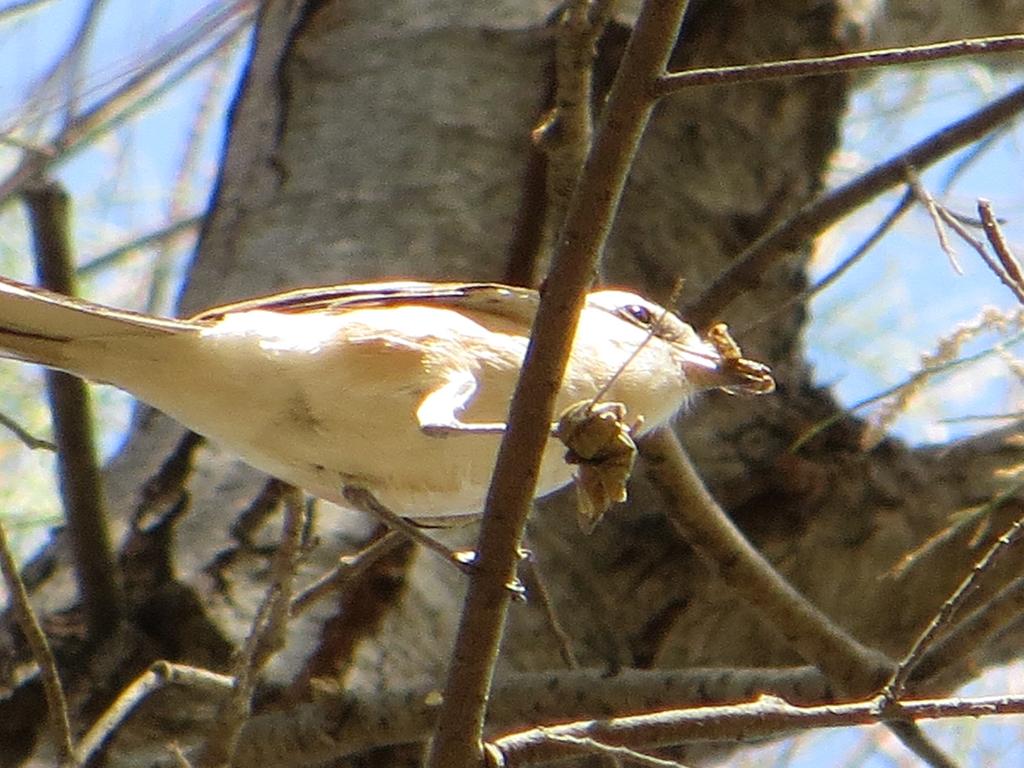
869 330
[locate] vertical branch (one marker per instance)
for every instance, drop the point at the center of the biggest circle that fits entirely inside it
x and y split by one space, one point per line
41 653
80 484
457 741
266 636
566 132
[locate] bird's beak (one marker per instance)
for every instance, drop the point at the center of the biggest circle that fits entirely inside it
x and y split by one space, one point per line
718 363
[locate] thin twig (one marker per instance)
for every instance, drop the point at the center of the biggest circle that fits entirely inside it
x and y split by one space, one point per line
337 725
935 213
914 381
537 593
916 740
266 636
147 83
41 652
897 684
27 439
81 483
356 724
457 740
157 237
24 6
947 661
880 230
832 65
854 668
156 678
595 747
1011 271
943 217
348 569
745 272
566 130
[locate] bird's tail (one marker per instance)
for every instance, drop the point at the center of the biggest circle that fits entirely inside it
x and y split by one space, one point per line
39 326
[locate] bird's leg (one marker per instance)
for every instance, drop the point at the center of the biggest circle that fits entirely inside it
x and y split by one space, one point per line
364 501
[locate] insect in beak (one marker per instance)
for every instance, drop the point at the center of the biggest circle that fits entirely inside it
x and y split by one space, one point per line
721 365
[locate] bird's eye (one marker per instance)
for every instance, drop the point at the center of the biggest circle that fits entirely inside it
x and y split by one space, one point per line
639 313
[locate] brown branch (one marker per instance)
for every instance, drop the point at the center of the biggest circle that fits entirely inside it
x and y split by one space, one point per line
338 724
947 662
881 229
898 683
14 9
760 719
27 439
566 130
457 740
267 635
855 669
674 82
81 485
917 741
746 270
156 678
1010 272
349 569
940 218
42 654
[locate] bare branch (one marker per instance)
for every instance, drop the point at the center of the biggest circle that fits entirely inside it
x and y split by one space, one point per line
154 679
349 569
833 65
745 271
157 237
146 84
897 684
41 653
17 8
356 724
29 440
765 717
81 484
1010 273
460 722
694 513
267 635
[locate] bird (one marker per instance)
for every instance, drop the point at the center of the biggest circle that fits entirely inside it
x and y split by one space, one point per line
399 387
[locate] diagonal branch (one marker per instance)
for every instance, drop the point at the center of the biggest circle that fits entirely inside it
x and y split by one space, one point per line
744 273
460 722
674 82
853 668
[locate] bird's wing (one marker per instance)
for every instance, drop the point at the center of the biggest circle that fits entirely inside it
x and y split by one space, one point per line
517 304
